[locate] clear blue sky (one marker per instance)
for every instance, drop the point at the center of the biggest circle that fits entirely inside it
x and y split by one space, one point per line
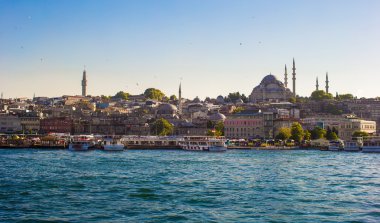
214 46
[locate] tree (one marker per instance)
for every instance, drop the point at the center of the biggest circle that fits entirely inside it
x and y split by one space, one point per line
318 133
153 93
121 95
345 97
330 135
173 98
219 128
297 132
320 95
238 110
360 134
284 133
307 135
161 127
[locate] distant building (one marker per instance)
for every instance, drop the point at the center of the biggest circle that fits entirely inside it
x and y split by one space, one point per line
10 124
244 125
58 125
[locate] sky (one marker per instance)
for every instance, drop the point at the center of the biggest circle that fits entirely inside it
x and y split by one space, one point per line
213 47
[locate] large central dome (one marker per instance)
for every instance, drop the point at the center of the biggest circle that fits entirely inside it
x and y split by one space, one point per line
270 79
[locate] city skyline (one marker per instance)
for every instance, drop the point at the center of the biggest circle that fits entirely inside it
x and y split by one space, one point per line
212 48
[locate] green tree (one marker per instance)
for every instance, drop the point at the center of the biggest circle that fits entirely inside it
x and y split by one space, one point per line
153 93
121 95
345 97
320 95
284 133
161 127
292 100
307 135
297 132
360 134
219 128
330 135
318 133
238 110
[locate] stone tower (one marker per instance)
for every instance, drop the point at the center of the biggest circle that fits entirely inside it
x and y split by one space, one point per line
180 100
286 77
294 79
317 85
327 82
84 84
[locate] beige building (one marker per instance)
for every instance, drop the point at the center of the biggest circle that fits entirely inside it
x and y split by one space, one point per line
346 126
10 124
244 126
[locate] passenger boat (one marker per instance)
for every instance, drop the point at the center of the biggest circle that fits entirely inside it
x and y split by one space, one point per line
152 142
112 144
336 145
81 143
354 145
371 145
204 143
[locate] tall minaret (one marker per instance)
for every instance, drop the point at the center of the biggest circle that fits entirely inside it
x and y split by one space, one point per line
294 79
286 77
317 85
327 82
84 84
180 100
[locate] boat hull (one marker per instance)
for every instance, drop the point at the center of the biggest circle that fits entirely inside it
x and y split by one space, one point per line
78 147
114 147
371 149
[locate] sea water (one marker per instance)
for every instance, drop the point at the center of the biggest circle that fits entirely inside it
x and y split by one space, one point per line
179 186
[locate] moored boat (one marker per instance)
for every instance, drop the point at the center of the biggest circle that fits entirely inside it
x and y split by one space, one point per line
354 145
204 143
371 145
112 144
81 143
336 145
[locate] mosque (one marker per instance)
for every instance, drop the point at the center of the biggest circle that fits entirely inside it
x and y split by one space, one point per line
273 90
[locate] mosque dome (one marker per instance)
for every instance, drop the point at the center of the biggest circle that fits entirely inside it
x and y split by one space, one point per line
270 79
217 117
166 108
220 99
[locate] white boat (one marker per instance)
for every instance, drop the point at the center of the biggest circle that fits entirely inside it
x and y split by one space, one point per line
336 145
112 144
81 143
371 145
354 145
204 143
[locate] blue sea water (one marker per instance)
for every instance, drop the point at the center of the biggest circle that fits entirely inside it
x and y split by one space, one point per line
179 186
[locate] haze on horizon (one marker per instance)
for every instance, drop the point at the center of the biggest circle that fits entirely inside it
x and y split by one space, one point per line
214 47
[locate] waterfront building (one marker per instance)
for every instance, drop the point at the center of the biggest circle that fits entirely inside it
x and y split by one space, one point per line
30 123
270 89
346 125
58 125
246 125
10 124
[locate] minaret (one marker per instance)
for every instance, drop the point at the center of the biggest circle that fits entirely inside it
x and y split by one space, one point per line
286 77
294 79
317 85
84 84
180 100
327 82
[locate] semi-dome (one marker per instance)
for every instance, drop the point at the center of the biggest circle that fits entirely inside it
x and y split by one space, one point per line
270 90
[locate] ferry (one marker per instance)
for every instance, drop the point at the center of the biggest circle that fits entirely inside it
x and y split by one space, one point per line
204 143
354 145
371 145
152 142
112 144
81 142
336 145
